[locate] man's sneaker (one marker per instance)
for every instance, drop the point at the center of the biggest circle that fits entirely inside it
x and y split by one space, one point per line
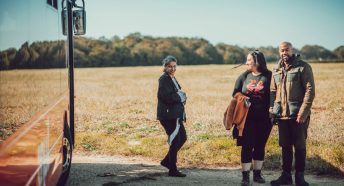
284 179
176 173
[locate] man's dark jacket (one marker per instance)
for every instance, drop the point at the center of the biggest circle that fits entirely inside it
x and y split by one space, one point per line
169 102
293 95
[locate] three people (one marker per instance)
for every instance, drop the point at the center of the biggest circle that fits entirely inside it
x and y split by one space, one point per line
255 84
292 94
171 114
285 96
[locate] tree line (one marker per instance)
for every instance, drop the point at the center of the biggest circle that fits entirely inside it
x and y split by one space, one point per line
138 50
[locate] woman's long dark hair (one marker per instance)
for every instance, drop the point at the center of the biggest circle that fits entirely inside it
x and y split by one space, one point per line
259 61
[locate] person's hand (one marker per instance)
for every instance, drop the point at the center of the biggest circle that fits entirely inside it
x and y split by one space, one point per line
229 134
300 119
182 96
272 118
272 121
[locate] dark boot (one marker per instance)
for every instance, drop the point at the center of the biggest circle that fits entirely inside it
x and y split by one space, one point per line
165 163
284 179
257 176
176 173
300 180
245 178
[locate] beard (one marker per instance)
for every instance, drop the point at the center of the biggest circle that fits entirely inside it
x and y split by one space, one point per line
286 58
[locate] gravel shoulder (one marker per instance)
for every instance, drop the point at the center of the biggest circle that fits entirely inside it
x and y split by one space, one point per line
118 170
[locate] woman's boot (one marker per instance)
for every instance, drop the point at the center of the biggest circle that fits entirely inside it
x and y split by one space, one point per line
257 176
245 178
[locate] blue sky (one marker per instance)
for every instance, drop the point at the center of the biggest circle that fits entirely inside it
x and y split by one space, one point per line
251 23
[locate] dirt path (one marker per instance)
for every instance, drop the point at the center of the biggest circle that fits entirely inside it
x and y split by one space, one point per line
117 170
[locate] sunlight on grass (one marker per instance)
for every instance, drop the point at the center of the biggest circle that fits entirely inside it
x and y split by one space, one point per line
116 114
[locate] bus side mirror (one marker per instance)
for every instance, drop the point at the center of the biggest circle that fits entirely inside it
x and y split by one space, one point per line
79 19
79 22
64 21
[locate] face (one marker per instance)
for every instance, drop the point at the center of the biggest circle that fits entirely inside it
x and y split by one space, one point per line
171 68
285 52
250 63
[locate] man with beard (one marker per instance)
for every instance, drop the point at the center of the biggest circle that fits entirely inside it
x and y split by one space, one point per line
292 93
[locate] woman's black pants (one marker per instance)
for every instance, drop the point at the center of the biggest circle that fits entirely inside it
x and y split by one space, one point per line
255 136
177 138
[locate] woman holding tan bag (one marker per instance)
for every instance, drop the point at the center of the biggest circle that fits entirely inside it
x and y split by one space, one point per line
254 83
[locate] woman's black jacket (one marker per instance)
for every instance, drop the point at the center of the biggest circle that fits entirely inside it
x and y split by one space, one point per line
169 102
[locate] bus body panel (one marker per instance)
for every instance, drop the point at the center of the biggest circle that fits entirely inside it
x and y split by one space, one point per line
33 154
34 92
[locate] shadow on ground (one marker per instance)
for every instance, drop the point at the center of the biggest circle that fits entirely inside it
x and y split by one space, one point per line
314 165
111 174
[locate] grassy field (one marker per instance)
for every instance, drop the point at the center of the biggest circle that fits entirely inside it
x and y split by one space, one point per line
116 114
24 93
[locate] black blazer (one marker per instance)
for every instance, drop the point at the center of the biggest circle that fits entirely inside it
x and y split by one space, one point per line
169 102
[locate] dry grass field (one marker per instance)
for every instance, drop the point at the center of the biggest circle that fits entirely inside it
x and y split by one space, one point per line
24 93
116 114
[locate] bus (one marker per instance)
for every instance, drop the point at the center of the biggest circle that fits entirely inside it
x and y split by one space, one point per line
37 89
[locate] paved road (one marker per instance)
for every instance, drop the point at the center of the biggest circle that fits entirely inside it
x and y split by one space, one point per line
115 170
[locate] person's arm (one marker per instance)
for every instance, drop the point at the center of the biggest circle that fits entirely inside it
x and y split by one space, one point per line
166 92
267 101
307 81
273 89
238 84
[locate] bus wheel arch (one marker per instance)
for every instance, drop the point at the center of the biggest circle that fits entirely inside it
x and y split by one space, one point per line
67 152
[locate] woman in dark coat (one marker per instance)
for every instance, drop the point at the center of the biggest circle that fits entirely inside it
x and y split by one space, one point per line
254 83
171 114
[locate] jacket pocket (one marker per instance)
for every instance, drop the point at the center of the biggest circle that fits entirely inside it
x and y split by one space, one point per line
277 77
294 107
276 110
293 76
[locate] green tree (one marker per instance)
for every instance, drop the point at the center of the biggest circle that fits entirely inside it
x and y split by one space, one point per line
339 52
316 52
231 54
4 61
